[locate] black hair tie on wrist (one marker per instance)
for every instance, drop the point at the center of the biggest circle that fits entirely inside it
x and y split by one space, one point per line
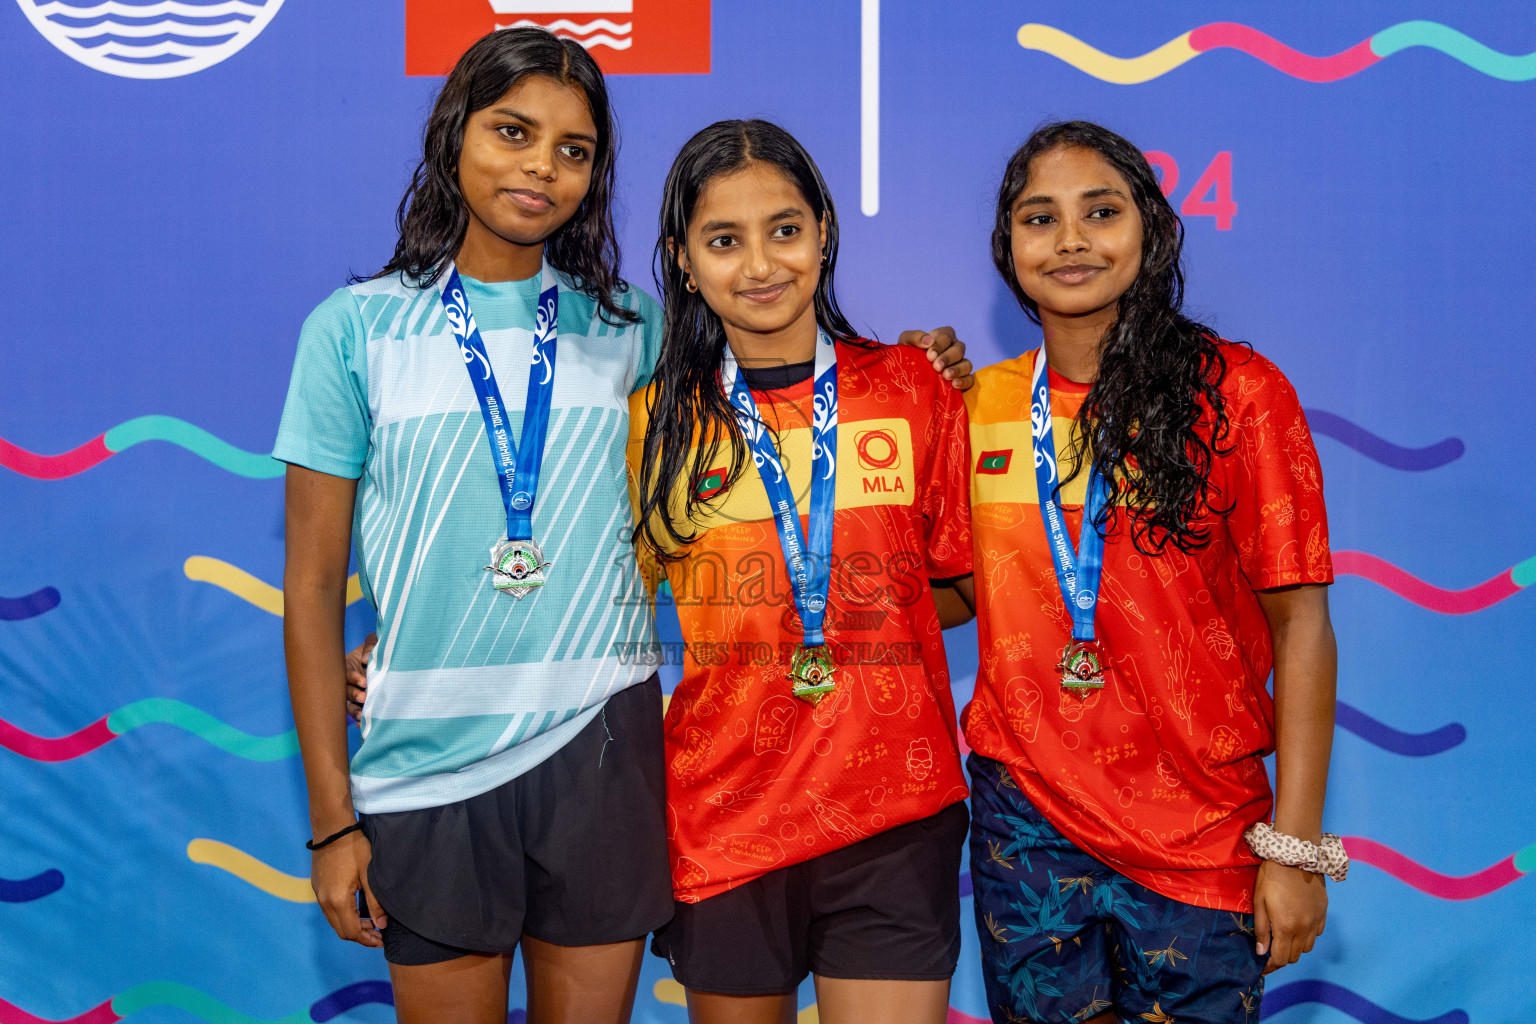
310 844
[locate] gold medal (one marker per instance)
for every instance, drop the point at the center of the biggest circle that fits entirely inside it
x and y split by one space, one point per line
517 567
811 669
1081 668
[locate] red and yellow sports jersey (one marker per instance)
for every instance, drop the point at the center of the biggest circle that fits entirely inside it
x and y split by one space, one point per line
1159 773
756 779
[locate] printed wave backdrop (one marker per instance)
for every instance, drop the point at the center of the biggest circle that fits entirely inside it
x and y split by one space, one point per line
183 181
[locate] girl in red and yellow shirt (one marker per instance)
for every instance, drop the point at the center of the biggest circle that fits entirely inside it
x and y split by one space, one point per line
1112 876
799 488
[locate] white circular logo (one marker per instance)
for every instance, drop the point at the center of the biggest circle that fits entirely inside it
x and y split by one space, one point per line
150 38
522 501
1085 600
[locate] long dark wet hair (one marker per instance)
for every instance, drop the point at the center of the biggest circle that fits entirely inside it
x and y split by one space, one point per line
689 406
1159 371
433 216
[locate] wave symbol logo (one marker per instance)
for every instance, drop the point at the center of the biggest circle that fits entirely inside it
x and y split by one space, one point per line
150 38
594 33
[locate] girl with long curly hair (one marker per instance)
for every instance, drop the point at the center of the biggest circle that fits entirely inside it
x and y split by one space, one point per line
1150 541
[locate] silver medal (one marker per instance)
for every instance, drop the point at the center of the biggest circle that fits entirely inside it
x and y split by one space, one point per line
517 567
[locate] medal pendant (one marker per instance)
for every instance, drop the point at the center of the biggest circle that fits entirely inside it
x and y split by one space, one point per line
811 670
517 567
1081 668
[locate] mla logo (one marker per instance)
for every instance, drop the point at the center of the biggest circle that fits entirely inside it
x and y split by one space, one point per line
150 38
626 37
877 449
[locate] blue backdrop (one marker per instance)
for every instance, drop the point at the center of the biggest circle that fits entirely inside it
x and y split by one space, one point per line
177 197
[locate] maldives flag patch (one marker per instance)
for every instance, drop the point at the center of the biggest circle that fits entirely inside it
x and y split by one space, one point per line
709 484
995 463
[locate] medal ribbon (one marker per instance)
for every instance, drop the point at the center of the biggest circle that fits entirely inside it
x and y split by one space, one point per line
1077 572
810 566
517 464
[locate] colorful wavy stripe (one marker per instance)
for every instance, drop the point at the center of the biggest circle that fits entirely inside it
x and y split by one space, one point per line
350 998
28 606
1315 990
250 870
1445 887
667 991
25 890
136 431
204 1006
1233 36
10 1013
146 712
248 588
200 1004
1426 595
1408 744
1379 449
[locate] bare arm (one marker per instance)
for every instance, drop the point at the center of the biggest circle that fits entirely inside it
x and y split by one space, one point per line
319 529
1291 905
955 600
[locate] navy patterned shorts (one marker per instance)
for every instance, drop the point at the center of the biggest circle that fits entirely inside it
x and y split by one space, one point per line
1066 938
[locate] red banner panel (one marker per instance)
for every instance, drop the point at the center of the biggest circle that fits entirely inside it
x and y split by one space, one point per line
627 37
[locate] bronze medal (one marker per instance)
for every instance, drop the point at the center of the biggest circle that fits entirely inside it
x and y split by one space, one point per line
811 670
1081 668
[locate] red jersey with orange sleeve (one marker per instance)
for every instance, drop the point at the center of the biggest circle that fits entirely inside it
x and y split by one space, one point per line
1159 773
756 779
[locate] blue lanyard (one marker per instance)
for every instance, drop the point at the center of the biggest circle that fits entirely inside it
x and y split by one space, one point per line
517 465
810 567
1077 573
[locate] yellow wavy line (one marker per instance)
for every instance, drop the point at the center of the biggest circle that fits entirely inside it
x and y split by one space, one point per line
247 587
668 991
248 869
1119 70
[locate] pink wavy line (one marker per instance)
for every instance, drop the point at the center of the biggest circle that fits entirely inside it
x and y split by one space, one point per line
54 467
60 748
1230 35
1426 595
11 1014
955 1017
1446 887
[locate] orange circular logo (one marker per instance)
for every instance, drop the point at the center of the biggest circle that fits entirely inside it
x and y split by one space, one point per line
877 449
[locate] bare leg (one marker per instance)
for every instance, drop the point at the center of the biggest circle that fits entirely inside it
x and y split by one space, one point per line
847 1001
581 984
468 990
711 1008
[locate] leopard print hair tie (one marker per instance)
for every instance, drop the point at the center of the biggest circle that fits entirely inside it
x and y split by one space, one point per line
1325 858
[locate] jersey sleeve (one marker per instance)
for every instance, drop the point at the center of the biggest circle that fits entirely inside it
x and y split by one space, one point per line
650 330
651 569
946 497
1274 482
326 422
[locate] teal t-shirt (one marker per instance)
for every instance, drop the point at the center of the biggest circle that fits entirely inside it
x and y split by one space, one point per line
468 687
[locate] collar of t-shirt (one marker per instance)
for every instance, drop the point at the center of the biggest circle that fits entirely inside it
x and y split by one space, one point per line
777 377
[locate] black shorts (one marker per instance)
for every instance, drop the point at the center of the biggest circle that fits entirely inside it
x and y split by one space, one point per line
573 852
886 908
